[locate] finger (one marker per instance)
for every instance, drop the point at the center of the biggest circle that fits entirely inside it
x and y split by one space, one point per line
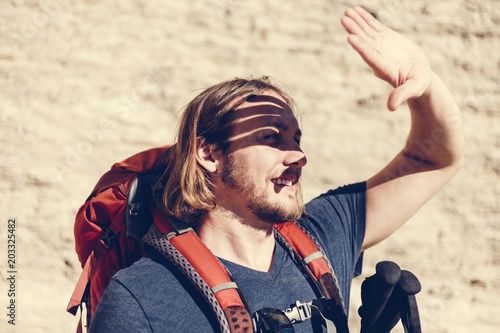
362 19
365 50
353 27
369 19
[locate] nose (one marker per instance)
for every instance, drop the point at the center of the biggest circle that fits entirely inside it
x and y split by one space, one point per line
296 157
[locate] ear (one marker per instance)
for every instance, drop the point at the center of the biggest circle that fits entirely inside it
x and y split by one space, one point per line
205 155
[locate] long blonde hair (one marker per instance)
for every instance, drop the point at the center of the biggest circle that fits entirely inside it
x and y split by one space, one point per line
188 194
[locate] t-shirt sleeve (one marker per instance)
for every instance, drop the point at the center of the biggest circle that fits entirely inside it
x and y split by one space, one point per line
115 310
337 219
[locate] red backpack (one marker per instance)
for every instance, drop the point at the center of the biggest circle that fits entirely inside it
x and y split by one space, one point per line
120 213
102 243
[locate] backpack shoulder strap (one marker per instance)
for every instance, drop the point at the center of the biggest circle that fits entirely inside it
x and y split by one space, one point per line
182 247
188 253
310 256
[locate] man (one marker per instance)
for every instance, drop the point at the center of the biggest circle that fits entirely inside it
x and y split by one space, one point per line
236 170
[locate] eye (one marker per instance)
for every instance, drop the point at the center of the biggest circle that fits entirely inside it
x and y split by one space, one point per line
269 136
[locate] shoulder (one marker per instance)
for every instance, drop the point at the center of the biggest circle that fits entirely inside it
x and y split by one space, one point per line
344 203
146 269
118 304
337 219
152 272
346 192
143 293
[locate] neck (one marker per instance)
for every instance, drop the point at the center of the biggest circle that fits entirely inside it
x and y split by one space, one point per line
229 237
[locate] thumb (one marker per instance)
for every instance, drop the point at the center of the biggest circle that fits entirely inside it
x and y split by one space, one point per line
413 86
410 89
395 99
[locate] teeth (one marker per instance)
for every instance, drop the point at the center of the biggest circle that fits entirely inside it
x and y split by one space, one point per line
281 181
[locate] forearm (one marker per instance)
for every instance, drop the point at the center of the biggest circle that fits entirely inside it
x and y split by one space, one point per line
436 136
431 157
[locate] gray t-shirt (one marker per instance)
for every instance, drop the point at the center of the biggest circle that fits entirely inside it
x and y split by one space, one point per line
152 296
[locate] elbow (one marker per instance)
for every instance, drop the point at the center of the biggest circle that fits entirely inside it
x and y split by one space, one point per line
446 158
456 165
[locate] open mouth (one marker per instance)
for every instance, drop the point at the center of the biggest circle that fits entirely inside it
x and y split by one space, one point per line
283 181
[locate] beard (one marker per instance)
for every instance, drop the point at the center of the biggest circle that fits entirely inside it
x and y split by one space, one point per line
258 199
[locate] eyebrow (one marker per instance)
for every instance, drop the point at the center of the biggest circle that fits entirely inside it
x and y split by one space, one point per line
283 126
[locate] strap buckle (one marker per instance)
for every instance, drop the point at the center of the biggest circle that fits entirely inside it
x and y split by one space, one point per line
304 311
299 312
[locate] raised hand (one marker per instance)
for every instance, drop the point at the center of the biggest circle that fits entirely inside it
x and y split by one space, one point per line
393 57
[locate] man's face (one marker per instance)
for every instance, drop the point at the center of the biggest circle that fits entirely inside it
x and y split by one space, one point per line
260 174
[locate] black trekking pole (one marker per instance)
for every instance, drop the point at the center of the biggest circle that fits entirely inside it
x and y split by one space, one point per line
388 296
376 291
410 286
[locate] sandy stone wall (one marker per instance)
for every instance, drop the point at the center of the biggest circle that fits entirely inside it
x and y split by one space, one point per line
87 83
